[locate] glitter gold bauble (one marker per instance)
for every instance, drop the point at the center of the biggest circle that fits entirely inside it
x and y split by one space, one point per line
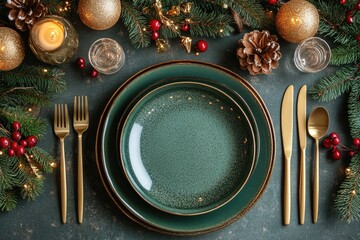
99 14
297 20
12 49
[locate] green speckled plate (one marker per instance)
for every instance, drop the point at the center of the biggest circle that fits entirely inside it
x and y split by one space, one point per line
121 191
187 148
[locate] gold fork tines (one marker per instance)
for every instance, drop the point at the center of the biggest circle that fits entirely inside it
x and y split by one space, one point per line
81 123
61 129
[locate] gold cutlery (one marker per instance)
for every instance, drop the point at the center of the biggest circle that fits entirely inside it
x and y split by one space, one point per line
301 121
287 137
81 123
61 129
318 124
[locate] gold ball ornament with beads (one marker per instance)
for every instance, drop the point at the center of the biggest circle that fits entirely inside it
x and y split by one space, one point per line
12 49
99 14
297 20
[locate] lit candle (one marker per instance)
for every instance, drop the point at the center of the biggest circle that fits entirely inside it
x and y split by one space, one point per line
50 35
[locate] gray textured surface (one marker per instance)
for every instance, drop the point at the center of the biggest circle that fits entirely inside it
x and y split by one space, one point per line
102 220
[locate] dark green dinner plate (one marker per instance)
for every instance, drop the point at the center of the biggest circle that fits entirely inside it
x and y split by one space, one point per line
187 147
121 191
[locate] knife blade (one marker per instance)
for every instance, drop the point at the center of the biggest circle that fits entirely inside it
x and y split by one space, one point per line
301 120
287 139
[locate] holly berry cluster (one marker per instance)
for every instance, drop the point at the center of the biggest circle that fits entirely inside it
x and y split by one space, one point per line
333 142
16 144
81 63
154 26
349 15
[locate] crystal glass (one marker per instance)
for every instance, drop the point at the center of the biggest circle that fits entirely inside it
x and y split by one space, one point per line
53 40
312 55
106 56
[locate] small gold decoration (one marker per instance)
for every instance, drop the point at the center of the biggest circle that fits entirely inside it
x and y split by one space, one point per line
12 49
186 42
259 52
174 11
353 192
297 20
186 7
34 110
99 14
165 20
162 45
347 171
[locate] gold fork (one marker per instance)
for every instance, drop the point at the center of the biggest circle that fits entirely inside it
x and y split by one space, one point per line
61 129
81 123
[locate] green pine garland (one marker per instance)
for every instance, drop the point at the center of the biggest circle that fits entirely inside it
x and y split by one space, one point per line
346 80
24 87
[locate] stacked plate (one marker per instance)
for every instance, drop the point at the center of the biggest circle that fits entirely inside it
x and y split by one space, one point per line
179 150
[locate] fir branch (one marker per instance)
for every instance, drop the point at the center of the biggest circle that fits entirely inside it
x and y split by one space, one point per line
334 85
251 11
210 24
135 23
347 201
354 109
47 80
32 188
8 200
42 159
345 54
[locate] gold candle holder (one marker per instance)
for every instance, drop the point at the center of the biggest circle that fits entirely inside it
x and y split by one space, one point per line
53 40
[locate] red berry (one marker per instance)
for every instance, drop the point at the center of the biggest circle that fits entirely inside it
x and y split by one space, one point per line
358 38
201 46
336 154
14 145
333 135
4 142
357 6
11 152
94 73
185 27
342 2
31 141
272 2
80 61
23 143
81 66
351 153
154 25
155 35
335 141
349 19
20 150
356 141
15 126
327 143
16 136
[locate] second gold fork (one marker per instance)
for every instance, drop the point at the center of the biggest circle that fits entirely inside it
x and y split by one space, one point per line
81 123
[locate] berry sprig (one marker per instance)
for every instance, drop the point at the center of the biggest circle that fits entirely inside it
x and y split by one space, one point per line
16 145
155 26
333 142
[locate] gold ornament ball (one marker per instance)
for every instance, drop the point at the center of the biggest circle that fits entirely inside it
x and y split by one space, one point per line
297 20
99 14
12 49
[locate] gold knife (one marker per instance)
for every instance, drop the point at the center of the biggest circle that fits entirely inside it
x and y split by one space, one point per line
301 120
287 138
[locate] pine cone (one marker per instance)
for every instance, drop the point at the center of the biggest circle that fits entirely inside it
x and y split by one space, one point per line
25 12
259 52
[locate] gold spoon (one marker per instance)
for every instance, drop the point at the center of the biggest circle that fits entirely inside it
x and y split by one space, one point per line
318 124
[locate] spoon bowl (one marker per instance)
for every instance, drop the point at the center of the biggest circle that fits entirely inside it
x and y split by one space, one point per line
318 124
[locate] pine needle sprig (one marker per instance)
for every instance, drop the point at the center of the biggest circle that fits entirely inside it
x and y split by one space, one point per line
335 85
135 24
345 54
210 24
354 109
42 158
251 11
8 200
347 201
